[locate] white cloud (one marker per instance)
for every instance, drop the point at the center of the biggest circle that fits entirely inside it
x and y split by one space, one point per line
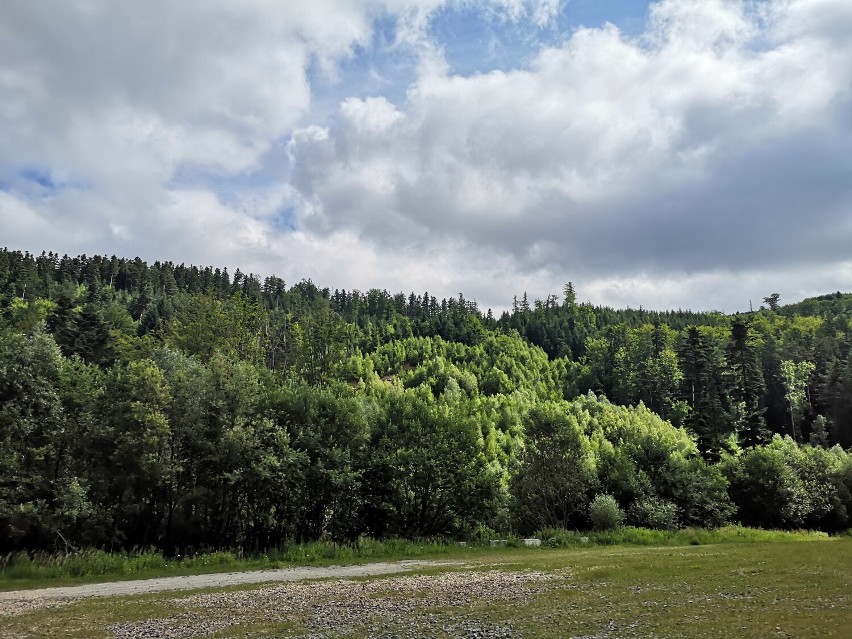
20 223
711 148
681 151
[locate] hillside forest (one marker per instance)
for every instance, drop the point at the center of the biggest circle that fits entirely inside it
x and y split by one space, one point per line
186 408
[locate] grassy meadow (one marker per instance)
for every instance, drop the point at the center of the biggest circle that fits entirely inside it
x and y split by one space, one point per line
790 588
40 569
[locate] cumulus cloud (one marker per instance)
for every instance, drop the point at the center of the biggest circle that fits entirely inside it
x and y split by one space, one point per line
713 143
698 163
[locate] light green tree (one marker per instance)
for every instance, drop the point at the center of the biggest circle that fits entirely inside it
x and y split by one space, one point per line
795 376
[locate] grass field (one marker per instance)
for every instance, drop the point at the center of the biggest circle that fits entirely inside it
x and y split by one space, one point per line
761 589
19 571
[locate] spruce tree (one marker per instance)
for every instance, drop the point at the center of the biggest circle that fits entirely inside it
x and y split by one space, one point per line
744 381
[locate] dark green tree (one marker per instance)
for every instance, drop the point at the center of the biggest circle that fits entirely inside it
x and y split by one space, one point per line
746 388
555 477
427 474
702 364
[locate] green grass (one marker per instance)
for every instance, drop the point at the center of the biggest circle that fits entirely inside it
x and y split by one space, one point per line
23 570
723 590
20 571
685 537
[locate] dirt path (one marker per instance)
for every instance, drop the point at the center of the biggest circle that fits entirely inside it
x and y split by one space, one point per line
216 580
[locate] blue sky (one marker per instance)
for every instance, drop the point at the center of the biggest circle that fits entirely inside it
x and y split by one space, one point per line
472 40
678 153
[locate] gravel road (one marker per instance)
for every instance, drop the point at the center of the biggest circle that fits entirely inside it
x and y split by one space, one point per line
216 580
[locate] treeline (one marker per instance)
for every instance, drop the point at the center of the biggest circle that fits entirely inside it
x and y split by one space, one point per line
184 408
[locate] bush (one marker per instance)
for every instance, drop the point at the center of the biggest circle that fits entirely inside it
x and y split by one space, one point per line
605 513
784 485
557 537
629 535
700 492
482 534
653 512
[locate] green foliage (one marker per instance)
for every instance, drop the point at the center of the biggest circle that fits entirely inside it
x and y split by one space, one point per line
427 473
204 326
185 409
95 565
328 435
654 513
591 444
700 492
28 315
556 471
605 513
642 536
819 432
746 387
703 387
795 376
37 492
783 485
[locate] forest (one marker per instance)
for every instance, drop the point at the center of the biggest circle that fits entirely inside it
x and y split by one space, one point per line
185 408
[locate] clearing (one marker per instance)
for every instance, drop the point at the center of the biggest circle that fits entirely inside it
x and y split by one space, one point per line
799 589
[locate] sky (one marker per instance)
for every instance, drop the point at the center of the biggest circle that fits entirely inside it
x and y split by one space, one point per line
670 154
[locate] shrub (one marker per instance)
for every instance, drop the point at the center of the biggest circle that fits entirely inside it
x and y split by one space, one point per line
784 485
557 537
605 513
653 512
700 492
482 534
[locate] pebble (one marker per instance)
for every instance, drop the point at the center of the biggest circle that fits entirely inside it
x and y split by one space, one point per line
395 607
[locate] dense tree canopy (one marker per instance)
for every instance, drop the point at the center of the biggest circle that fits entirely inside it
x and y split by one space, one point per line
183 407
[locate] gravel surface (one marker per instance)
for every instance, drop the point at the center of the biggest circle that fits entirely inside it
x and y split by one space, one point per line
17 601
402 607
318 603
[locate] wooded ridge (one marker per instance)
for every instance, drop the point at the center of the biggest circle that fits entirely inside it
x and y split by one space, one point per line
185 408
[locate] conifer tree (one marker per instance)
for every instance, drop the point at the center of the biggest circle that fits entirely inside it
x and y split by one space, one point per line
745 384
702 385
